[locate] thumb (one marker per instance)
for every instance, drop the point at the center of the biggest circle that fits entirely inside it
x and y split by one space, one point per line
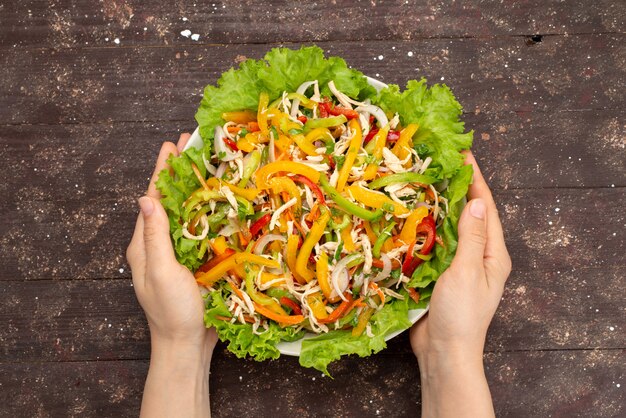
472 234
156 233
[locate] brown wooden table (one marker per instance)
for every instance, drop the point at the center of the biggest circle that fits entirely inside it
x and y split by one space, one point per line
89 90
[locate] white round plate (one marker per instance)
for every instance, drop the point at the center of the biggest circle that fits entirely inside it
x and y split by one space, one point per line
295 347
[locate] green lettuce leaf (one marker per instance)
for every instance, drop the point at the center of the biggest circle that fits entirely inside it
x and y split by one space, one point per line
175 189
430 270
241 340
320 351
441 134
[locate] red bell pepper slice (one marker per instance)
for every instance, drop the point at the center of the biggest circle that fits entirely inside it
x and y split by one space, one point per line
231 144
323 107
302 119
285 301
256 227
428 227
314 187
392 136
348 113
370 135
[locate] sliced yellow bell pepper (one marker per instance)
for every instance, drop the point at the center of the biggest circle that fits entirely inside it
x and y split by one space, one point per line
219 245
321 271
243 116
249 194
285 184
380 140
317 305
353 150
264 100
305 145
369 232
318 133
266 277
364 318
217 272
346 237
376 199
281 121
263 174
409 230
405 142
245 145
292 251
316 232
283 142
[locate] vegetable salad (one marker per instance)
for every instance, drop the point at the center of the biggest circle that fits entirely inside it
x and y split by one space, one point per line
317 204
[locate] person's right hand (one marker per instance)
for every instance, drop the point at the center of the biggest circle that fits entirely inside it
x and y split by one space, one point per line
449 341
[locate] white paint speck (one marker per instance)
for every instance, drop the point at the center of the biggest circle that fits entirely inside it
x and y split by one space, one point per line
185 19
611 328
549 222
145 29
557 209
380 57
442 78
410 54
122 271
313 379
116 41
186 33
241 377
618 385
195 37
106 39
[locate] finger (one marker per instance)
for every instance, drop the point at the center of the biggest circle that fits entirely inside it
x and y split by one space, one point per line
182 141
135 254
479 189
167 149
156 235
472 236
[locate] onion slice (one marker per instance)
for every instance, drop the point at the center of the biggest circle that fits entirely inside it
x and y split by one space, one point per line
295 105
376 111
384 273
266 239
340 277
223 152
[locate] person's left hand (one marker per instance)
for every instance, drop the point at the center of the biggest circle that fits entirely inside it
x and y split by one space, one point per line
166 290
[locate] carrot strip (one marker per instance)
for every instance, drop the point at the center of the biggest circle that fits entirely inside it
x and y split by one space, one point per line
395 264
341 310
375 287
283 319
415 295
196 171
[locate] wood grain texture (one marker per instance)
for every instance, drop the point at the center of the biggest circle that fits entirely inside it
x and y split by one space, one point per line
89 91
86 237
59 24
73 320
521 382
160 84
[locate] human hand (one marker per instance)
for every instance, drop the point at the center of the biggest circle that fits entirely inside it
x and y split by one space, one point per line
166 290
449 341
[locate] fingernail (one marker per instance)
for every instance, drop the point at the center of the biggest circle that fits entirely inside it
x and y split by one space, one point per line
478 209
146 205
